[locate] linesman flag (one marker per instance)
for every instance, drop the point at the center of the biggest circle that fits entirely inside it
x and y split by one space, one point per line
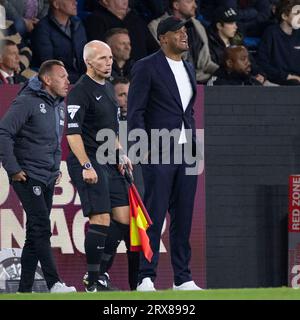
139 221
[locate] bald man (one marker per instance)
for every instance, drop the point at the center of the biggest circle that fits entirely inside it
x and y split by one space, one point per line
102 188
236 69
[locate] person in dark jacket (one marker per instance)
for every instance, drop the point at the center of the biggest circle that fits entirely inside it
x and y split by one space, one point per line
278 53
222 31
30 151
60 35
8 32
235 69
120 44
115 14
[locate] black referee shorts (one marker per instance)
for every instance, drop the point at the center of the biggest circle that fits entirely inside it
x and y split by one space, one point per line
109 192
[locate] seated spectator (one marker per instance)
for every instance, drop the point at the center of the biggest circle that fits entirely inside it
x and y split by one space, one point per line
236 69
9 33
10 63
60 35
119 42
222 32
25 13
198 53
279 53
117 14
121 87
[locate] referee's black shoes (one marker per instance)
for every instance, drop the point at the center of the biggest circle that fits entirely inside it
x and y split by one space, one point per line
102 284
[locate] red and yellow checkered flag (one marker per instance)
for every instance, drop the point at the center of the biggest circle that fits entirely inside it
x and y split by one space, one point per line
139 223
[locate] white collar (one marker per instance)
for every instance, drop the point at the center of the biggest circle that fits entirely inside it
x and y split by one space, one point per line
5 74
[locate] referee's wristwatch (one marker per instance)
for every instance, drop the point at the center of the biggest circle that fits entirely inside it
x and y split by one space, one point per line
87 166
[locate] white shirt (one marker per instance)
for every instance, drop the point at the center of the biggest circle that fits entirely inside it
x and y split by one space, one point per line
184 87
5 74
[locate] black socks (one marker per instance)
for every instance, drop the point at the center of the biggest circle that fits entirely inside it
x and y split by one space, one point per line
94 246
115 236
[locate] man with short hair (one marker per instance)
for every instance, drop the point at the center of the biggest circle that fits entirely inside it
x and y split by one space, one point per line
60 35
30 150
119 42
198 53
10 63
236 69
161 96
102 188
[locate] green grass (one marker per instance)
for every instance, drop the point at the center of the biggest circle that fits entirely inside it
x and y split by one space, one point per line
220 294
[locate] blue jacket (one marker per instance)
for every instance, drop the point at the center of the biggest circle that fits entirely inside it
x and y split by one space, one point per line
50 42
154 101
31 133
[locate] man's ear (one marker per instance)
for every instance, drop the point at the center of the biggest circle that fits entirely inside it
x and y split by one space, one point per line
284 16
104 2
175 5
229 63
162 39
46 79
55 4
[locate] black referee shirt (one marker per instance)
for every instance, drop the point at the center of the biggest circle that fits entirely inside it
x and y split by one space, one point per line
91 107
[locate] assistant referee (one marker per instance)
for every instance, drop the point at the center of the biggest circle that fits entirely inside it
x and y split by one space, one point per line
102 188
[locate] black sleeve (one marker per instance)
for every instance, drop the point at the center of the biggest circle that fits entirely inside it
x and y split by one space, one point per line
77 104
17 115
264 59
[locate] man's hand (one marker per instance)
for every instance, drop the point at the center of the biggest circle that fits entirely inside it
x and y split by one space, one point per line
29 24
260 78
20 176
124 160
89 176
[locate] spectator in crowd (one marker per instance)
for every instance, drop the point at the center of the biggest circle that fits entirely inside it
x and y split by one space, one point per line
9 33
60 35
117 14
10 63
236 69
25 13
198 53
222 31
279 53
121 87
119 42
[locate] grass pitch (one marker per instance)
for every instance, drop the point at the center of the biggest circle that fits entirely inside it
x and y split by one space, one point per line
210 294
